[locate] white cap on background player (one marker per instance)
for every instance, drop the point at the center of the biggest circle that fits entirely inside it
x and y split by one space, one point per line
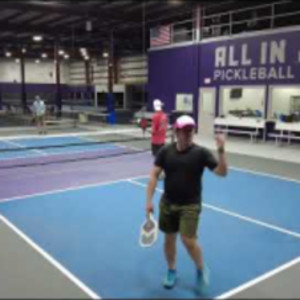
157 105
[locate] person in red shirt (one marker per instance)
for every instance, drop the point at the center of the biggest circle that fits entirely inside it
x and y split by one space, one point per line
159 127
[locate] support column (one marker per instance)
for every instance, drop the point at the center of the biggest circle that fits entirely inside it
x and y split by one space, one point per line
110 96
23 84
88 79
87 72
58 100
198 33
110 71
1 106
116 66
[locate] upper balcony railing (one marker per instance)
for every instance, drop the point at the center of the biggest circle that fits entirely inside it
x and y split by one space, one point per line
233 22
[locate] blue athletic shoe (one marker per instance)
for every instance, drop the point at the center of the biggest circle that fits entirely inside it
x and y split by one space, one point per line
170 279
202 281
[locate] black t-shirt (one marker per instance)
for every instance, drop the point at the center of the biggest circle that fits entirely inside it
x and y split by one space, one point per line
184 169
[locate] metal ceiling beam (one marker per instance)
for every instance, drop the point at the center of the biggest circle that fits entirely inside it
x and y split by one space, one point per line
77 37
11 17
45 19
93 11
65 9
43 29
114 4
11 21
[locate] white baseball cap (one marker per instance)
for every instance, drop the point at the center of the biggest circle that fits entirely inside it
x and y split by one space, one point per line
185 121
157 104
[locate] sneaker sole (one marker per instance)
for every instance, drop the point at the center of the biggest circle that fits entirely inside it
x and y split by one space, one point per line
169 287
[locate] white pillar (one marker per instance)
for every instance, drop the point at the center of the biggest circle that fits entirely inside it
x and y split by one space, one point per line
198 23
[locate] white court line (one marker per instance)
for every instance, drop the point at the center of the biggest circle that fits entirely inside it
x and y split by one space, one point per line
251 220
232 214
50 259
264 174
259 279
24 147
71 189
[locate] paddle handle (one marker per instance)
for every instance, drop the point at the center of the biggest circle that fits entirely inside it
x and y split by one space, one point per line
150 216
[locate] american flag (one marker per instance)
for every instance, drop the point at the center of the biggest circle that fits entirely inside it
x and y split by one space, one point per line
160 36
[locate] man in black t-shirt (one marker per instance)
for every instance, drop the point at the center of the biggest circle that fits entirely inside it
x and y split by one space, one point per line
183 163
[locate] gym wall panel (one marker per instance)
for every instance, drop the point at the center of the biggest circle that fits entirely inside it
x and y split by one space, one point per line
133 69
44 72
173 71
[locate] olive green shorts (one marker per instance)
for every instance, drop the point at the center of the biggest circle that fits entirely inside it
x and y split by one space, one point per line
40 119
179 218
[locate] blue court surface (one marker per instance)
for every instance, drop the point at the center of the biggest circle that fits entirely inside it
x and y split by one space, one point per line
249 226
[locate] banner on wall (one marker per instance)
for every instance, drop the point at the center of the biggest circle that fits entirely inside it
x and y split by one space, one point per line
184 102
274 57
273 54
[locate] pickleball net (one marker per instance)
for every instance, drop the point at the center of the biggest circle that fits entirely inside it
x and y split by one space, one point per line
28 150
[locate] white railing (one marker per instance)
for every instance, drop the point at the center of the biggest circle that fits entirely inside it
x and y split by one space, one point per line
183 31
186 31
231 27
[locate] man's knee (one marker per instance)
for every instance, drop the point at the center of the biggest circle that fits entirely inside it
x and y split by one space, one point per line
170 239
189 242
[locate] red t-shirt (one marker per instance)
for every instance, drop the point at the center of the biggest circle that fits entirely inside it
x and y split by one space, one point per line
159 128
144 123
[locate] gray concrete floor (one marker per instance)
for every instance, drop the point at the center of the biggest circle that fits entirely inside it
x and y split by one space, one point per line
283 285
26 273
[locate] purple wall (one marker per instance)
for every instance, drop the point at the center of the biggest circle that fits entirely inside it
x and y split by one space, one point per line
172 71
267 59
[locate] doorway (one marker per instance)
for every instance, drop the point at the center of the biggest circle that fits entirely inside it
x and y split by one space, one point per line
206 111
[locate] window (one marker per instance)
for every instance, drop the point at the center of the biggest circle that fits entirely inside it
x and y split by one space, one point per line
236 93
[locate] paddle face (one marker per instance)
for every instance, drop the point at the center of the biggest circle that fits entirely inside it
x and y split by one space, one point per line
149 232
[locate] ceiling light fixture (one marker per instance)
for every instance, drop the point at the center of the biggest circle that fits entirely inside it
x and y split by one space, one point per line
88 25
175 2
37 38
